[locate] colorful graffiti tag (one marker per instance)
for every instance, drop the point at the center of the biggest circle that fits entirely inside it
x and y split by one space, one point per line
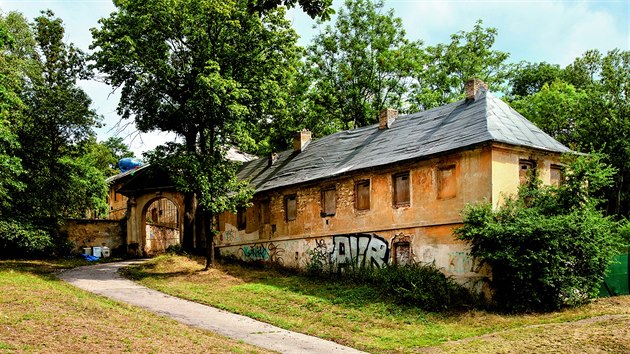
362 249
262 252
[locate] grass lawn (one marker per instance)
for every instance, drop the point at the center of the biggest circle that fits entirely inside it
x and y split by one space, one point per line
39 313
359 317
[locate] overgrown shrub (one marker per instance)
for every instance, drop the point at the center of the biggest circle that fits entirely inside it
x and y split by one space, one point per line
22 240
424 286
548 247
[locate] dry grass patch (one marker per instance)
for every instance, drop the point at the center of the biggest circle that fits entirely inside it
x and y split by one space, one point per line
39 313
359 316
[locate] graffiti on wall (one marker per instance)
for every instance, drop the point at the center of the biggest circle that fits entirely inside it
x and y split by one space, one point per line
228 236
267 252
460 262
362 249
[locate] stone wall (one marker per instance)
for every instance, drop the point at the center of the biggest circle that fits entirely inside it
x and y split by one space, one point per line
96 232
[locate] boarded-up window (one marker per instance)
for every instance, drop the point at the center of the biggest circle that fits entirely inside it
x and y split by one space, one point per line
265 212
402 253
556 175
241 218
526 168
447 182
362 195
329 201
401 189
290 206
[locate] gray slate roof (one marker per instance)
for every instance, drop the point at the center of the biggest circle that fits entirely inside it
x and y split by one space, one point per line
451 127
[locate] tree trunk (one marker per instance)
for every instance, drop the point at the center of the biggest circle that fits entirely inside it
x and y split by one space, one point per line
209 218
189 222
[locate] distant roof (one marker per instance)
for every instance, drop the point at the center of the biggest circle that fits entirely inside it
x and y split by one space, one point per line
451 127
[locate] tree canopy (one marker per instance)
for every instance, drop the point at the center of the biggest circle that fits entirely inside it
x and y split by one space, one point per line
207 71
45 118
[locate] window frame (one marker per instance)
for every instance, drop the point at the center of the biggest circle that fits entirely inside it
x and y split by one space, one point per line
440 181
532 163
558 168
286 207
356 194
265 212
395 201
241 218
325 190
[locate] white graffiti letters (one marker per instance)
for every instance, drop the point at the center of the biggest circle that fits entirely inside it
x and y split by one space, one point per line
363 249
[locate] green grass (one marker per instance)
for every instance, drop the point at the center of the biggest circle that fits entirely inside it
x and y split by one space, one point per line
39 313
358 316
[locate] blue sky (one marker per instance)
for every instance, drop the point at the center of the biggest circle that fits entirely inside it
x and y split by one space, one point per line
531 30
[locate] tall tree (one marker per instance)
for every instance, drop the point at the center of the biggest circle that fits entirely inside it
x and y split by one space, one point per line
205 70
588 107
528 78
315 8
360 65
57 118
10 109
469 54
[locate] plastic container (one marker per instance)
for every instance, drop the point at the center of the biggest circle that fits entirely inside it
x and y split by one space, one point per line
87 250
105 252
96 251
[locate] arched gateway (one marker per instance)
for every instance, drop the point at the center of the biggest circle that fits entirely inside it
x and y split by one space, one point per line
155 211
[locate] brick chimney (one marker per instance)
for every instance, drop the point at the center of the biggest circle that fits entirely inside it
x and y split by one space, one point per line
301 140
273 157
471 88
386 118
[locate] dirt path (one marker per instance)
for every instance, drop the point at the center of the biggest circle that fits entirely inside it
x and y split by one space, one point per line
103 279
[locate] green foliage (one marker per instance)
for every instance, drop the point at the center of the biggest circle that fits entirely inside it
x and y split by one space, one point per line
360 66
208 71
316 9
419 285
423 286
449 66
20 239
529 78
584 105
548 247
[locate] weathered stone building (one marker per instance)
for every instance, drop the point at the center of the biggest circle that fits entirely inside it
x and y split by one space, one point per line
390 192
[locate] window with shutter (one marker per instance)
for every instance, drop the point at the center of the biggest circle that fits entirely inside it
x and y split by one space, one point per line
401 189
362 195
290 204
329 202
556 175
265 217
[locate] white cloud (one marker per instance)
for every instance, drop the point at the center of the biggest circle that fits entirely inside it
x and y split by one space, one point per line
553 31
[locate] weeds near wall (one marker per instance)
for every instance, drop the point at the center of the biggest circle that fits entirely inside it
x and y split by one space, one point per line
418 285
